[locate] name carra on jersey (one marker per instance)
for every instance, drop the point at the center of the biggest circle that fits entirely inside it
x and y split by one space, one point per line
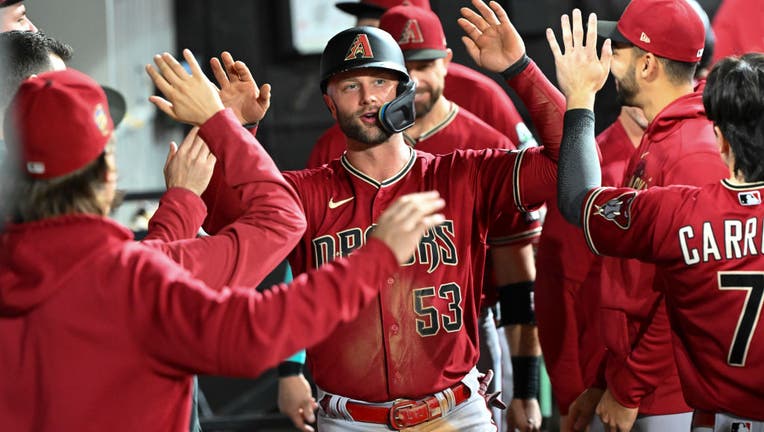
737 239
437 247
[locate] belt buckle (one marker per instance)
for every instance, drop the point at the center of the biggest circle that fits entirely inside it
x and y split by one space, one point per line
399 418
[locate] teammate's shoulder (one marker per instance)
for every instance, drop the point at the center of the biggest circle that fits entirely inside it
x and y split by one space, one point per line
477 127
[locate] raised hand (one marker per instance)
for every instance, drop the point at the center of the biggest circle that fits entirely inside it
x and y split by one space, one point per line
239 91
187 98
580 73
189 166
404 223
491 40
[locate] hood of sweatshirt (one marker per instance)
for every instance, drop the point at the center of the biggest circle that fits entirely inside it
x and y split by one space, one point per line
38 258
689 106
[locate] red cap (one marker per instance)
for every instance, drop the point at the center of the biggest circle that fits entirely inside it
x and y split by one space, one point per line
666 28
60 123
417 30
375 8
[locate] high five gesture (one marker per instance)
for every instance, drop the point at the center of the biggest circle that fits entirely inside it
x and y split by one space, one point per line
580 73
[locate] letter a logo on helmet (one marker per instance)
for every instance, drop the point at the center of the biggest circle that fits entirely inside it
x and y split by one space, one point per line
411 33
360 48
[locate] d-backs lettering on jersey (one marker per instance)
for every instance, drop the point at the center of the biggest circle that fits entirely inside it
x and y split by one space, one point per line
421 335
708 247
435 248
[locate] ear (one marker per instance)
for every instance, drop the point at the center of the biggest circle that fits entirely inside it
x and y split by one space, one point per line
648 67
330 104
724 145
449 56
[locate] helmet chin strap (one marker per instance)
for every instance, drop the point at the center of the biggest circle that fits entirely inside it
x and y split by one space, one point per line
399 114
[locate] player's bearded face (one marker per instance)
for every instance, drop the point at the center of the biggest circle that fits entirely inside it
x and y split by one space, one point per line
358 130
426 98
430 78
626 84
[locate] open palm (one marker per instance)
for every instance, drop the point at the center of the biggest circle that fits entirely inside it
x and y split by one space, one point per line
239 91
491 39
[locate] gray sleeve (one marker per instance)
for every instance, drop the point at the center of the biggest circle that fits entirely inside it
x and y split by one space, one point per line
578 169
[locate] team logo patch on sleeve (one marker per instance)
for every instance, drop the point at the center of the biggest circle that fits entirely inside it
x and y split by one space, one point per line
617 210
360 48
749 198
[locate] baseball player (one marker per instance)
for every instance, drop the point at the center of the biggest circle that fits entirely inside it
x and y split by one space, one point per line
567 284
118 317
409 361
654 73
13 16
705 241
464 86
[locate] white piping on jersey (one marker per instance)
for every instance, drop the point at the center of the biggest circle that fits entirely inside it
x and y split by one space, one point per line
516 180
742 186
437 128
384 183
587 214
506 240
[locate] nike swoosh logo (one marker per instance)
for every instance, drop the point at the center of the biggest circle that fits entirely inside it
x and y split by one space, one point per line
334 204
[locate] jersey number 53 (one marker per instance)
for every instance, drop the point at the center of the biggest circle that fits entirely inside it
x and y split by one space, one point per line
431 319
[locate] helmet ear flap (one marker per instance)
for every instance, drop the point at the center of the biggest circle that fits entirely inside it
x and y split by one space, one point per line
399 114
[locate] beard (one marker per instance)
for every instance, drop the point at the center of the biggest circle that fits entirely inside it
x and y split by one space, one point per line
423 108
354 129
627 88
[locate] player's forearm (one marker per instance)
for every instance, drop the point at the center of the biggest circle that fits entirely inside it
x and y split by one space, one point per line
650 362
513 264
179 216
545 103
526 360
578 169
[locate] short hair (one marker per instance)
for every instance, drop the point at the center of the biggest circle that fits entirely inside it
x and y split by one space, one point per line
24 54
734 101
31 199
677 72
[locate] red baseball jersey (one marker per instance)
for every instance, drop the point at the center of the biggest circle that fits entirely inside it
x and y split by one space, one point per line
460 130
678 148
708 248
421 336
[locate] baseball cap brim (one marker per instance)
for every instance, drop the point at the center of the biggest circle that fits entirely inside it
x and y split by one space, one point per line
117 105
9 2
424 54
360 10
609 30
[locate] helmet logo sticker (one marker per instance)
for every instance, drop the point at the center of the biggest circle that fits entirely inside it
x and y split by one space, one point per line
360 48
411 33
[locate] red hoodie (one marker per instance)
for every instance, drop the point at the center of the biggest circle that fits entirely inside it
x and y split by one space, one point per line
678 147
102 333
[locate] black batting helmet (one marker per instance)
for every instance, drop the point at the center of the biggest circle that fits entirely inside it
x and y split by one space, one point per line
370 47
361 47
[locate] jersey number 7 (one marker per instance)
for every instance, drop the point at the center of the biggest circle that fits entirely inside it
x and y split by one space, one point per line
753 284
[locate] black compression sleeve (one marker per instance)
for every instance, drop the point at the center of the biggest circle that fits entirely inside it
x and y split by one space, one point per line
578 169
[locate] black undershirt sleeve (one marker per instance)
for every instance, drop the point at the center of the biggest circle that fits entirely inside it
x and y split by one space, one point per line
578 169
